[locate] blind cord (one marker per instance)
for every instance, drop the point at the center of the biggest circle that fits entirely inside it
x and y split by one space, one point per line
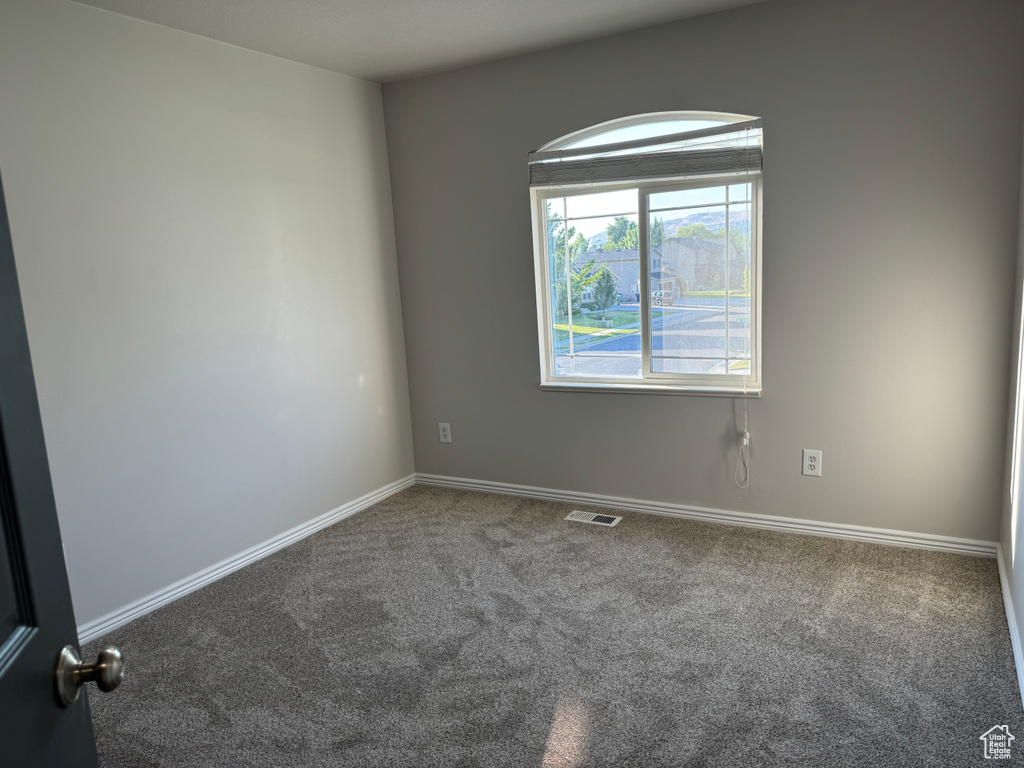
742 473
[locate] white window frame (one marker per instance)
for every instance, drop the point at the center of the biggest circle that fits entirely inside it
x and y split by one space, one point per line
665 383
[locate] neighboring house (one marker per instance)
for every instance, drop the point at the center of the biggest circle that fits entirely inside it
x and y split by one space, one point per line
679 265
624 266
665 282
693 264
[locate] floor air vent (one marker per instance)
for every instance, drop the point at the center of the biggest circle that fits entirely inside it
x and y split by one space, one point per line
577 516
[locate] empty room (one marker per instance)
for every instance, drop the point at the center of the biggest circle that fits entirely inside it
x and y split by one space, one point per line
511 383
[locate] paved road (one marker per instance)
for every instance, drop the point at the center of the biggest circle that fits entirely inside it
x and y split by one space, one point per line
700 323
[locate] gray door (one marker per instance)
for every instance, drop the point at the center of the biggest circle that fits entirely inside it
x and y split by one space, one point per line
36 620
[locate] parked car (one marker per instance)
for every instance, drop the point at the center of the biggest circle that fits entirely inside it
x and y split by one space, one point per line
662 298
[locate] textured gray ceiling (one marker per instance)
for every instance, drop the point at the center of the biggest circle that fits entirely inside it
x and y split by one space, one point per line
388 40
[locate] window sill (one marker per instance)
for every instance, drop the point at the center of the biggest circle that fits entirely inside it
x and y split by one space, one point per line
650 389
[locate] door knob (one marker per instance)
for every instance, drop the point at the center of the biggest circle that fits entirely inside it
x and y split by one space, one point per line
73 673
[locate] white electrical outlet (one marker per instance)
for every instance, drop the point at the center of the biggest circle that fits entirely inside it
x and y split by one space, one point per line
812 462
445 430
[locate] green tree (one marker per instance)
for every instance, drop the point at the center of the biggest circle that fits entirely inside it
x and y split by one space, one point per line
580 275
699 232
623 235
657 232
604 289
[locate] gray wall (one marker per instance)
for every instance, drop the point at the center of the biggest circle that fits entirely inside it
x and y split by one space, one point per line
206 253
892 162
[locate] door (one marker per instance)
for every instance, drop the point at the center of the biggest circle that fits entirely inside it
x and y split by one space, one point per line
36 620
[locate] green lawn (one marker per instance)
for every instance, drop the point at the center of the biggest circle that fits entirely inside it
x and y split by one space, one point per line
732 294
586 325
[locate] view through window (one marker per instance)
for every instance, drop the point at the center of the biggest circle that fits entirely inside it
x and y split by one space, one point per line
652 283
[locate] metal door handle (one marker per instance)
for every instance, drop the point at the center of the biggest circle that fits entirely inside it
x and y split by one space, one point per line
73 673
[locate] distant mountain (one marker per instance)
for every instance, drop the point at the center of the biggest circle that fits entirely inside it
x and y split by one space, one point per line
713 220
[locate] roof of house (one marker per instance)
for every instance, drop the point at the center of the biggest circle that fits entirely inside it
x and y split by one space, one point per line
623 255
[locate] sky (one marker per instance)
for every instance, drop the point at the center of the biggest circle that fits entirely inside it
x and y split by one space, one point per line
607 205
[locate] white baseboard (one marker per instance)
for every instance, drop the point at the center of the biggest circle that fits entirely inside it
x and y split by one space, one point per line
1011 620
111 621
747 519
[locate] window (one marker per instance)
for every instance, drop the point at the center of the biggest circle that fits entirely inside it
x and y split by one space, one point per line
648 257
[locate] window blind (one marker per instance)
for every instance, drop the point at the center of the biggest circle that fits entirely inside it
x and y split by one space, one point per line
732 148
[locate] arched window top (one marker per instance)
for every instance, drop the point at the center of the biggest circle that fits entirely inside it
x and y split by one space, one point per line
655 145
648 126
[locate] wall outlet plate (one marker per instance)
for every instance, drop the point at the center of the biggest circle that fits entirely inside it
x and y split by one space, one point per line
445 431
812 462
